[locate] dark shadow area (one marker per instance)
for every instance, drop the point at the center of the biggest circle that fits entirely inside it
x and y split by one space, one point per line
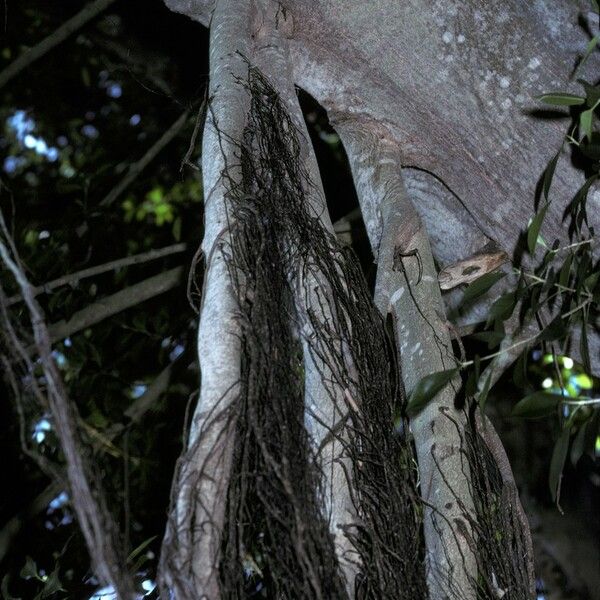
71 126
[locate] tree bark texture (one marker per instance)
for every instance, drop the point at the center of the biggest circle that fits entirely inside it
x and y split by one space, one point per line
191 547
454 85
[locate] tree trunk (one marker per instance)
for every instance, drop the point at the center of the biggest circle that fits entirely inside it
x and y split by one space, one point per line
442 95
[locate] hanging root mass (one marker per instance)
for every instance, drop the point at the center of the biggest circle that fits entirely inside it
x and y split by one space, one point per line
299 290
276 528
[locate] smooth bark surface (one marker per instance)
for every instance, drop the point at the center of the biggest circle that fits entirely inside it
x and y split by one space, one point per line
454 86
191 548
445 93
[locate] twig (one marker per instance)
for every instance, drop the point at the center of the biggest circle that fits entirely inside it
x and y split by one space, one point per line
136 168
133 414
74 278
197 125
500 352
54 39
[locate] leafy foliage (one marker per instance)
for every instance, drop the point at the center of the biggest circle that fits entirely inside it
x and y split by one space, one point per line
556 291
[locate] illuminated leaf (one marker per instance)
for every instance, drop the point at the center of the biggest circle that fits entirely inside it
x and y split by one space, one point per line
480 286
585 122
584 347
482 398
554 330
589 49
492 338
561 99
427 388
565 271
549 173
502 308
537 405
534 229
578 446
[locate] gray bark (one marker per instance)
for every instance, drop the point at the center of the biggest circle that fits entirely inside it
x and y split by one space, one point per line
454 85
326 406
191 548
445 92
410 292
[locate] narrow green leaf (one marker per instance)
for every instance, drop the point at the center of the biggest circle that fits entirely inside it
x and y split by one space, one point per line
177 229
549 173
585 122
555 330
584 347
491 338
561 99
471 384
595 6
565 271
426 388
520 371
503 307
480 286
534 229
140 548
557 463
483 394
536 405
589 49
592 92
578 445
592 149
591 281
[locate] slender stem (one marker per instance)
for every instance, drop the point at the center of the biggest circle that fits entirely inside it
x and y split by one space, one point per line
136 168
117 302
576 309
576 244
54 39
504 350
75 278
582 402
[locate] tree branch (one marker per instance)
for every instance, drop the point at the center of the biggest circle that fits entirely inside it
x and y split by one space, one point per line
134 413
326 406
54 39
96 523
73 279
192 544
136 168
111 305
414 299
